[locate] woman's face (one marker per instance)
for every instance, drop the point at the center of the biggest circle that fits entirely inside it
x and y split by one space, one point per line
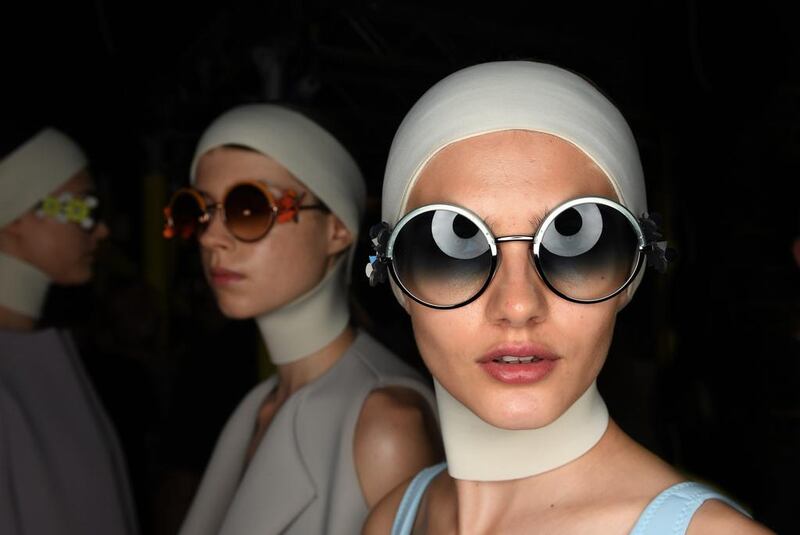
511 179
62 250
250 279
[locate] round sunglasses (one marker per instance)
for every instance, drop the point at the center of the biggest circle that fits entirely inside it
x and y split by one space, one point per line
248 209
586 250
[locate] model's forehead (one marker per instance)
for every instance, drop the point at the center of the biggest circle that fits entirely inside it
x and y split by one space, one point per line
219 168
509 167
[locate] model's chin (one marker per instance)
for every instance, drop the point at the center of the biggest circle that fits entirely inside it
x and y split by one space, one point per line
77 277
236 310
239 306
515 410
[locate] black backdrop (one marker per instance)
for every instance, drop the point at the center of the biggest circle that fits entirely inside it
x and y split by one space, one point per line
704 369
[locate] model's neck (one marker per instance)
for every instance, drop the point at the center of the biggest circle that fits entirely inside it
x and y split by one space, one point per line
478 451
479 505
11 320
293 376
23 288
311 322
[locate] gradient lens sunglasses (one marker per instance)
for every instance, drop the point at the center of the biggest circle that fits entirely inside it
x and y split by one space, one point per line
248 209
586 250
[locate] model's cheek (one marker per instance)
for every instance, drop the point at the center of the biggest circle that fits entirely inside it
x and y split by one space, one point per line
440 339
590 343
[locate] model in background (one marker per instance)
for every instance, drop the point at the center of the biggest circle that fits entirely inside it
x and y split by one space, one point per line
275 203
61 469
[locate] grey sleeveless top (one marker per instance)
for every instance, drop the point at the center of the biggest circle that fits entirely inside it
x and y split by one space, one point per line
302 479
61 468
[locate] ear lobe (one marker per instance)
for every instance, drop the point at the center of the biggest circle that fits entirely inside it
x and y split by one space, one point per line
339 236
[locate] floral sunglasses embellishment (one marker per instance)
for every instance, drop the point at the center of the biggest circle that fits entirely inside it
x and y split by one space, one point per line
68 208
289 206
377 268
659 255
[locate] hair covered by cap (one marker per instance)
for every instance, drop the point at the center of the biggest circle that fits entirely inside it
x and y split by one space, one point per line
304 148
35 169
514 95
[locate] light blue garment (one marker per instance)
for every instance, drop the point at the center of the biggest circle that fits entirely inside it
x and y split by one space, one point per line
668 514
407 512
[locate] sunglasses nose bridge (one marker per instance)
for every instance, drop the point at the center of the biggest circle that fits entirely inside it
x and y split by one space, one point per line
511 239
210 210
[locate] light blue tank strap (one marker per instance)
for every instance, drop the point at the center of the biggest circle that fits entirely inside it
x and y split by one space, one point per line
672 510
407 512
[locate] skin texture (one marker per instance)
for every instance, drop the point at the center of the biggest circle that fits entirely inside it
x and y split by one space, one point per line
511 179
394 428
286 263
63 251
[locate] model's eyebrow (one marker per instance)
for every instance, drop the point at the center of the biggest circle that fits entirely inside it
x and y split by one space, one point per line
205 194
536 221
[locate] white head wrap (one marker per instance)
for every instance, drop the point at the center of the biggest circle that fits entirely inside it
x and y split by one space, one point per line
320 162
28 175
513 95
492 97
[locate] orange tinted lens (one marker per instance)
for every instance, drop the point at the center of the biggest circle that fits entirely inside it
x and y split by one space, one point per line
248 213
186 213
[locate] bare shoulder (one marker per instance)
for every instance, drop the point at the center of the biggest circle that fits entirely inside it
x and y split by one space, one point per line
396 436
715 516
381 517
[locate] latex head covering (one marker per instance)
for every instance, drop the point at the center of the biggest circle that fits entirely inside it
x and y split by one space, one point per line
27 175
325 167
492 97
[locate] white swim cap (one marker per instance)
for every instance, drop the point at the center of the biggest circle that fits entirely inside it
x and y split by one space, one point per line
299 144
34 169
513 95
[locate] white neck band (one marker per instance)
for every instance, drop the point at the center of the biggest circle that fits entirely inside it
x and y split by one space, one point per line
478 451
22 286
311 321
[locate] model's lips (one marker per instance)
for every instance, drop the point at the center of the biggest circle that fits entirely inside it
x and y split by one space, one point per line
221 276
520 363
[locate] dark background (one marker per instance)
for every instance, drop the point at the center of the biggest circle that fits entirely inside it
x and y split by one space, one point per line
704 369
